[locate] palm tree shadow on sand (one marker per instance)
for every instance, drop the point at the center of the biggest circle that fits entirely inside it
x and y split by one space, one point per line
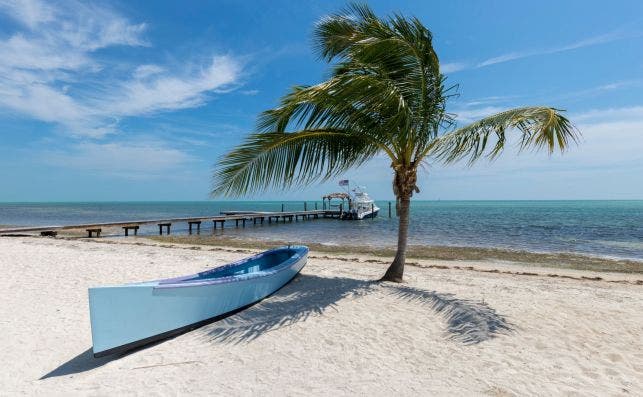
468 322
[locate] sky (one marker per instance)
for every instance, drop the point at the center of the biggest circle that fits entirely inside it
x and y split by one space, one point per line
136 100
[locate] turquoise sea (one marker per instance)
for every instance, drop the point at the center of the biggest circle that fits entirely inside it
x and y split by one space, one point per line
603 228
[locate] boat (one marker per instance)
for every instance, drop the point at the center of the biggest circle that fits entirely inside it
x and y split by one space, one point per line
125 317
360 204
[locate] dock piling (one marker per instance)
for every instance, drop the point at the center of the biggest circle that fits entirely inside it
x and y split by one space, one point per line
131 227
215 221
198 226
167 228
90 232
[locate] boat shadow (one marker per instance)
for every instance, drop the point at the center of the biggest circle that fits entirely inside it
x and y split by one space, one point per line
86 361
468 322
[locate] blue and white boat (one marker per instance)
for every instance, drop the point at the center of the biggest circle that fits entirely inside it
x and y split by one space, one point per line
362 206
125 317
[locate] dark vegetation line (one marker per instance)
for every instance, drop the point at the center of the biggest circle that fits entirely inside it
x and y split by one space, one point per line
237 246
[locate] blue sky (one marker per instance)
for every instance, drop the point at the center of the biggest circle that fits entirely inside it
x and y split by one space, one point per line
136 100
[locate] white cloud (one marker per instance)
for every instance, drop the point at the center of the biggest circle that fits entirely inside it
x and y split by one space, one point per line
40 54
130 159
490 99
50 70
166 92
28 12
611 115
144 71
470 114
451 67
591 41
42 102
511 56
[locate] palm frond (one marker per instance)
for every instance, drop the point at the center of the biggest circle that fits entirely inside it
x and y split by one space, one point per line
396 50
350 102
540 128
283 160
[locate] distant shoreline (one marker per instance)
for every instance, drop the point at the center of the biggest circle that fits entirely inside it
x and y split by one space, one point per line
312 200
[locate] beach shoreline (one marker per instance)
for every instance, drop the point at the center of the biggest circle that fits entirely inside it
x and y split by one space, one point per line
529 333
554 260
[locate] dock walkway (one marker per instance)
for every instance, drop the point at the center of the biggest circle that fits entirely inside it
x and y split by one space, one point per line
225 216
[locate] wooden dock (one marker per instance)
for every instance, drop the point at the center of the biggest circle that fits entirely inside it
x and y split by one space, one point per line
239 217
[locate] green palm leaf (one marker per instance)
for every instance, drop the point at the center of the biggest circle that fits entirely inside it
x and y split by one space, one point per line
288 159
539 127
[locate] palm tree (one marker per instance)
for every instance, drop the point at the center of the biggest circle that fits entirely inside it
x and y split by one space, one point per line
385 96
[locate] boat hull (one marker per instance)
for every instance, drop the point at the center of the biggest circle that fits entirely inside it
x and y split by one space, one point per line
129 316
359 216
370 214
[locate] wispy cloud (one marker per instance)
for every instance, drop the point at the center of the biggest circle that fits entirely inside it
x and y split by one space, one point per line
599 90
468 111
453 67
590 41
495 99
470 114
28 12
512 56
611 115
164 91
50 69
130 159
145 71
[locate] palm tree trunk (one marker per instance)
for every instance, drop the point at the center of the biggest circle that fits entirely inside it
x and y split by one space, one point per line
395 272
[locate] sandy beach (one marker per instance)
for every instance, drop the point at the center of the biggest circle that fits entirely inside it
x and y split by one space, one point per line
456 328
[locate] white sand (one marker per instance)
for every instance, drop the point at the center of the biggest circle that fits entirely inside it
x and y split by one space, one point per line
328 332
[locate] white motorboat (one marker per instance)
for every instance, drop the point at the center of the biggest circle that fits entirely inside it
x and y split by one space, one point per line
361 205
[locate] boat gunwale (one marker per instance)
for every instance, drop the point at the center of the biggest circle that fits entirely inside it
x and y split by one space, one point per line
285 265
184 281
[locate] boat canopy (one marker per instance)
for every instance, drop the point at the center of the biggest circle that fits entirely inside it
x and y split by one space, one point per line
340 195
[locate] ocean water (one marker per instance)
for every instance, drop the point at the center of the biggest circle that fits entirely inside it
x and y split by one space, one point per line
602 228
